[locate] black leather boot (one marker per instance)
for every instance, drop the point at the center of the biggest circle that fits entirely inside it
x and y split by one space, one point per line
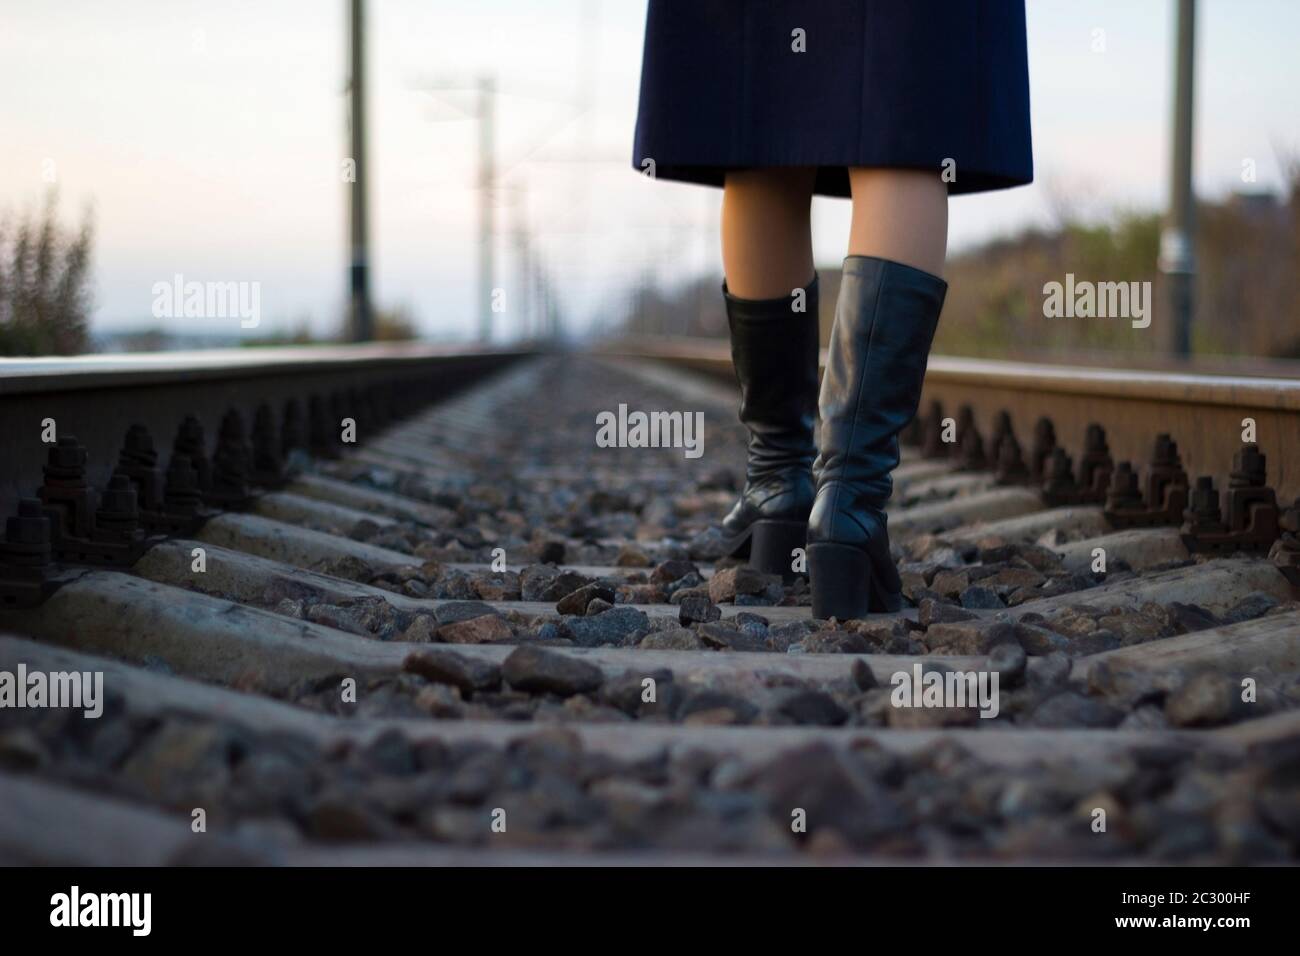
774 350
884 325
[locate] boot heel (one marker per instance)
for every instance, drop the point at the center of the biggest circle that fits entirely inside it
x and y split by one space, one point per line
771 549
841 581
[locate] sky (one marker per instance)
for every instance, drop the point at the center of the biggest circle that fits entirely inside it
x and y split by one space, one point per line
208 138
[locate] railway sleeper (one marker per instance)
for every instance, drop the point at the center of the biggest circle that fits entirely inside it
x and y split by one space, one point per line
271 775
214 640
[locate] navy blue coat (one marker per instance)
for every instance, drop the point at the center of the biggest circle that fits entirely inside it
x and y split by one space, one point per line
892 83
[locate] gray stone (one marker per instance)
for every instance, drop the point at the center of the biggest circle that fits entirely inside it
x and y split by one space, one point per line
457 611
181 753
723 636
1038 557
267 782
782 636
952 583
1012 579
575 602
549 631
1070 709
391 753
835 642
551 552
978 597
446 667
1039 641
944 557
1094 643
771 595
350 619
710 706
609 628
626 692
1189 618
484 629
726 584
969 637
1050 671
456 586
498 586
672 570
630 556
420 630
677 639
1133 627
833 791
695 607
902 645
564 584
639 594
864 678
690 581
913 584
1145 718
1010 661
21 750
816 707
709 545
931 611
288 607
1253 605
340 817
535 579
1207 700
930 718
541 671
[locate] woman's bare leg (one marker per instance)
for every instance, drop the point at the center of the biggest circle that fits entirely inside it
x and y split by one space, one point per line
901 215
767 254
766 231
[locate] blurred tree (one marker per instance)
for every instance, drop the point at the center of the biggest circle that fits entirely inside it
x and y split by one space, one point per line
299 333
45 294
394 325
1247 285
391 325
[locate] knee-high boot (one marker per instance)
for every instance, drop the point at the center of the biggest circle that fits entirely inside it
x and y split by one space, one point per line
884 325
774 350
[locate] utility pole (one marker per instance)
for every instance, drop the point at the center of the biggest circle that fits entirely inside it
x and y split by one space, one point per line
1177 244
486 188
540 330
523 298
361 324
587 78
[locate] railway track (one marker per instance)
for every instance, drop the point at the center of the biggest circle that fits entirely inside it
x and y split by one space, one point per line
474 635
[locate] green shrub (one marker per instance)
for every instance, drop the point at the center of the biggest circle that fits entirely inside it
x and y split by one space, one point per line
45 295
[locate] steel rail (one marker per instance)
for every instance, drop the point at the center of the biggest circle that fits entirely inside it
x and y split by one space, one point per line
98 398
1204 413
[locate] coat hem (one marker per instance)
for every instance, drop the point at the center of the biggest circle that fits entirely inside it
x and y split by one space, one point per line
833 180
